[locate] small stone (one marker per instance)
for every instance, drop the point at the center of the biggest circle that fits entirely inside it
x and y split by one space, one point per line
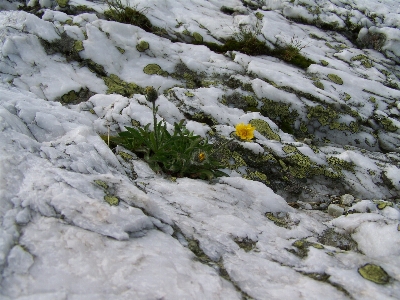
335 210
374 273
346 199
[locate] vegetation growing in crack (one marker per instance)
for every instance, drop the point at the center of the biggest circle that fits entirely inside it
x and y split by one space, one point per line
127 14
180 154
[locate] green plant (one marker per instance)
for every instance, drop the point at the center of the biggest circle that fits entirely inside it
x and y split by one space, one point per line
180 154
127 14
290 52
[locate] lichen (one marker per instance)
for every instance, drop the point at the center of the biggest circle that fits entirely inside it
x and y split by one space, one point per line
142 46
245 243
319 84
340 164
197 37
69 97
263 128
335 78
189 94
102 184
118 86
78 46
154 69
374 273
324 62
62 3
278 221
259 15
125 156
324 115
112 200
121 50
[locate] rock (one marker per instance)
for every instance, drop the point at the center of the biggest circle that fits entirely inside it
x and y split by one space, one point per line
346 199
335 210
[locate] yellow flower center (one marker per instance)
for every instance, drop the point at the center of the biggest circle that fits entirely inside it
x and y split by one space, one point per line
245 131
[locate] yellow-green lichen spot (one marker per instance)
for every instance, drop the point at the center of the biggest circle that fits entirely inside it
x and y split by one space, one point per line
69 97
277 221
189 94
112 200
318 84
142 46
324 62
197 37
118 86
125 156
154 69
374 273
259 15
102 184
335 79
62 3
121 50
78 46
263 128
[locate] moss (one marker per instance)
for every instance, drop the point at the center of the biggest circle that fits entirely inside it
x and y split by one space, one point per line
112 200
363 59
335 79
154 69
346 97
374 273
62 3
324 63
78 46
197 37
257 176
263 128
319 84
142 46
117 86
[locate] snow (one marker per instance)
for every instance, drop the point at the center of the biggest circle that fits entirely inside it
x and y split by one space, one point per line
185 238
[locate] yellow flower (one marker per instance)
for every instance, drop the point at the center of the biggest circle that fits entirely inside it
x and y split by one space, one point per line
245 131
201 156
